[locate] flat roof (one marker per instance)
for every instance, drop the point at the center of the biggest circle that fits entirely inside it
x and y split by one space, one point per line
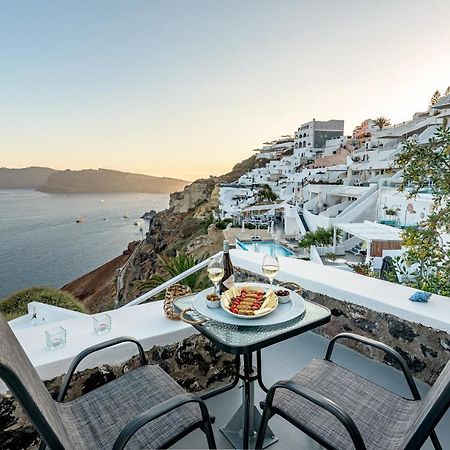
349 191
265 207
371 231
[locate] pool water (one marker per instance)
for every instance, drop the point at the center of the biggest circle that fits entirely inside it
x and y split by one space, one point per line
265 247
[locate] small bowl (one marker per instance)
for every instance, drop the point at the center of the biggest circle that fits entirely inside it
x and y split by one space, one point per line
215 304
283 298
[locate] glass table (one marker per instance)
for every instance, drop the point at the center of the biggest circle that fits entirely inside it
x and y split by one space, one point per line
244 341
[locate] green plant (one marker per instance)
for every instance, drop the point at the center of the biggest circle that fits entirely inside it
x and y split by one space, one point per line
382 122
364 269
331 256
391 212
222 224
321 237
266 193
171 266
15 305
427 256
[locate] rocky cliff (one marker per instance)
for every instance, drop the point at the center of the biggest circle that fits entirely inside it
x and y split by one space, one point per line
187 226
103 180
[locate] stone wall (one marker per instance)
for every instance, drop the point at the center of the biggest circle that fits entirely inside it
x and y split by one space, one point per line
425 350
195 363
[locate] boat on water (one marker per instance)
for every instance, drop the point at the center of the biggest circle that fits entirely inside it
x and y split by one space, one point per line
80 219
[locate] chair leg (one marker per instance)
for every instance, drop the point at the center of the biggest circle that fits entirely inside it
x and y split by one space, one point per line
267 414
207 429
434 439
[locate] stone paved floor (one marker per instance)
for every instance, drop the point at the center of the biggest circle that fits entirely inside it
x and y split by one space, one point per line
283 360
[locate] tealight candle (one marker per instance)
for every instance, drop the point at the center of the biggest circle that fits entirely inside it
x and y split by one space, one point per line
55 338
102 323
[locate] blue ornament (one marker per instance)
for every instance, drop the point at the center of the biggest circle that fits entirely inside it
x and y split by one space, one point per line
420 296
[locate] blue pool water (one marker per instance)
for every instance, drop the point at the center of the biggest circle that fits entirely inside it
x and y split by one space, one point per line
265 247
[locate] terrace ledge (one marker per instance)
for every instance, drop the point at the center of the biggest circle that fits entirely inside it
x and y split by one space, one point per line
372 293
147 323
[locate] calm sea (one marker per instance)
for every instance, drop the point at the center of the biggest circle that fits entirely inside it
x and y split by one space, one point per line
41 243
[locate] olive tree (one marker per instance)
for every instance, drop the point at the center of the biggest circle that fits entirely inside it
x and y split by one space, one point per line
427 253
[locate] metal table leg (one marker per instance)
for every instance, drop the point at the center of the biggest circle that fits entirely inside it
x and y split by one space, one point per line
241 430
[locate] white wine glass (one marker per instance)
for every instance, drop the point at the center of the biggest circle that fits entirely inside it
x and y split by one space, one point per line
216 272
270 267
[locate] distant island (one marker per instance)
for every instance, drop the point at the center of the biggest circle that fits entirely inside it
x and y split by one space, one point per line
49 180
28 178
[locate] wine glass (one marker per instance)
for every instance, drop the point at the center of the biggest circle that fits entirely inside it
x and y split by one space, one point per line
216 272
270 267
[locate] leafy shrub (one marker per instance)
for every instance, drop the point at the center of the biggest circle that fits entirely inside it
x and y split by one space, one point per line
15 305
174 265
222 224
331 256
364 269
321 237
426 252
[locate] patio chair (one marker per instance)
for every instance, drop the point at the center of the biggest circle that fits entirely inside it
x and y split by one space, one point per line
144 408
341 410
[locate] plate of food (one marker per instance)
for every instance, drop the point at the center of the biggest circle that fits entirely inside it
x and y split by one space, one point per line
280 313
249 302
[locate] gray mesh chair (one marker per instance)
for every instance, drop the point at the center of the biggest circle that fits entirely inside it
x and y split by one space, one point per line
341 410
144 408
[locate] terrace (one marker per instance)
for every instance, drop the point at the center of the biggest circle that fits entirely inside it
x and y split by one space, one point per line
370 307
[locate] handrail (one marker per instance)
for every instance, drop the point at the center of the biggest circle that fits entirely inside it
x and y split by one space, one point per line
162 287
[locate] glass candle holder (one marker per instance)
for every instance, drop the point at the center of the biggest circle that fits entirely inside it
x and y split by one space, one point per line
55 338
102 323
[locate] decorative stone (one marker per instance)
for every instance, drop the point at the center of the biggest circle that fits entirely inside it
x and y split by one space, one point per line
366 325
420 296
445 343
428 352
401 330
415 364
337 312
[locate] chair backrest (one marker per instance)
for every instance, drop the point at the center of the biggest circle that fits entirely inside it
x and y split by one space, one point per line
25 384
431 410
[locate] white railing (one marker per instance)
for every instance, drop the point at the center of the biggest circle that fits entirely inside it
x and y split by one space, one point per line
162 287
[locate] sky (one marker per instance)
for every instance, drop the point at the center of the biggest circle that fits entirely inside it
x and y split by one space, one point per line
188 88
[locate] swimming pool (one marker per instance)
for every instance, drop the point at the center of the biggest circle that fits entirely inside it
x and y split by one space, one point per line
265 247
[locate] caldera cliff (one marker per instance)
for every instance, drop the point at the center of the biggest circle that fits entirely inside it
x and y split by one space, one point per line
186 226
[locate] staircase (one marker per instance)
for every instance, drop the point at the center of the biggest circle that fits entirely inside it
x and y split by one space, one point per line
303 221
356 250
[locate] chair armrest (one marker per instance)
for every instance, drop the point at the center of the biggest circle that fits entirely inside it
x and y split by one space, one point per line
323 402
157 411
88 351
380 346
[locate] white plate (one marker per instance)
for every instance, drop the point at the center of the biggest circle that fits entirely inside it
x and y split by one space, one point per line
241 316
283 313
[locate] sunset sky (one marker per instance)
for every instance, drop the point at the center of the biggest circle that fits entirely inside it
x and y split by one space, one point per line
188 88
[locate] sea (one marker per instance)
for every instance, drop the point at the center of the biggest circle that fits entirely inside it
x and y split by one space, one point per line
41 242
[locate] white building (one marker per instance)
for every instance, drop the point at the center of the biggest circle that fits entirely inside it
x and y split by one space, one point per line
314 134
